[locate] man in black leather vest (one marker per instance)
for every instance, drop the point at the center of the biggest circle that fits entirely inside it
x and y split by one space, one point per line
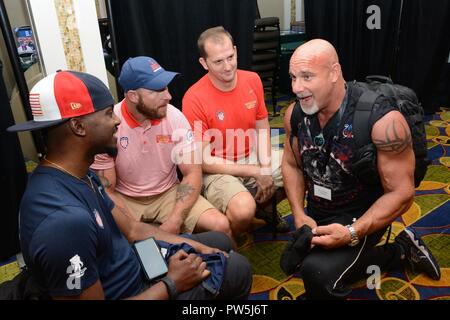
346 217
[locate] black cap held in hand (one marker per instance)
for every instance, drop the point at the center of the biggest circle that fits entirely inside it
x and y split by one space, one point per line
296 249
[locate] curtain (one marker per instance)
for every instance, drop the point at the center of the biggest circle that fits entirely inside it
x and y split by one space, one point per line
13 178
414 55
361 51
424 48
167 30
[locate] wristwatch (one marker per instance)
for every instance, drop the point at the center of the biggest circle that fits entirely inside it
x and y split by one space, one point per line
171 287
354 240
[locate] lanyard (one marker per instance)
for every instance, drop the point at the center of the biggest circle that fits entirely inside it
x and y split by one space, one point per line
319 140
324 142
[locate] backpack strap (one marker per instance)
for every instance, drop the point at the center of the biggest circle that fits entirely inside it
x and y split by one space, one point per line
295 120
361 118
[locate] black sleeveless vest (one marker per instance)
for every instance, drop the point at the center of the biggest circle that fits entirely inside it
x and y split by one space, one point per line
326 154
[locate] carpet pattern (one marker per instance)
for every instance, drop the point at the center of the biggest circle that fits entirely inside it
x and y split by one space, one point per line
429 216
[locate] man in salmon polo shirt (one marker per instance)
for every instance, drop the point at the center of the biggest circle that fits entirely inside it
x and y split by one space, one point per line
142 177
227 112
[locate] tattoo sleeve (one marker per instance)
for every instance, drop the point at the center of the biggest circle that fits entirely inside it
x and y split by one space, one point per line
393 142
183 191
185 213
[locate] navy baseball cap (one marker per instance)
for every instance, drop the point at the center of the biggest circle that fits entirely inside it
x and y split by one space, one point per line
144 72
64 95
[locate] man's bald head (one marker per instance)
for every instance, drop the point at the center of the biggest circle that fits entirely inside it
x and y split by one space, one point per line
317 51
316 76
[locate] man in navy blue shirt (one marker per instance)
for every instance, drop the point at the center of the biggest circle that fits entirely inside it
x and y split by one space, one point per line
74 240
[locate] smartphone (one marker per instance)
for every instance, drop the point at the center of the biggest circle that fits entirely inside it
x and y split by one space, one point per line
152 261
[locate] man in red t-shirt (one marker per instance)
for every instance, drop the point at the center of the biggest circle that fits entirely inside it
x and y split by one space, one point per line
227 112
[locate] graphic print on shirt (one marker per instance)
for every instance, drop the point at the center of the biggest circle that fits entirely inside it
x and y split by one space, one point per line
220 115
163 138
75 272
250 105
189 136
98 219
326 165
347 133
124 142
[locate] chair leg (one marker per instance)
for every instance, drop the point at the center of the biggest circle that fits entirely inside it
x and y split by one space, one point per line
274 99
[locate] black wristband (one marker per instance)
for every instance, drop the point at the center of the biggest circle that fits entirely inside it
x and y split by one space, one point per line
171 287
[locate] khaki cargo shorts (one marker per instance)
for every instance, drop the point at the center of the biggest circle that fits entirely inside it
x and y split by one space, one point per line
157 209
219 189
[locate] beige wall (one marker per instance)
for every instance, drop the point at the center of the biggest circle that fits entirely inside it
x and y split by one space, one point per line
101 8
285 10
272 8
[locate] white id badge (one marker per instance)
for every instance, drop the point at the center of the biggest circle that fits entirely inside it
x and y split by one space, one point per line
322 192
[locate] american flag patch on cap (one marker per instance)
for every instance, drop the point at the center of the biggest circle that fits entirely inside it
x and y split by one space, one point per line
35 104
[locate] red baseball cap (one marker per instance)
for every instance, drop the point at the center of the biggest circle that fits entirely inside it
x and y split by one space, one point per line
64 95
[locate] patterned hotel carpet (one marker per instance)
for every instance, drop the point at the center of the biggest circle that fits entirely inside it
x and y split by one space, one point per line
429 216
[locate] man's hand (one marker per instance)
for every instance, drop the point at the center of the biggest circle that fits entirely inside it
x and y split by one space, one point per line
331 236
304 219
265 188
201 248
187 270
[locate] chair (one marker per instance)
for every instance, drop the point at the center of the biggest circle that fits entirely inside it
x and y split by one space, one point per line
266 54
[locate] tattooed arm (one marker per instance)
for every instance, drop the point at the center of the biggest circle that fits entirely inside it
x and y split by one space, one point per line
187 194
396 163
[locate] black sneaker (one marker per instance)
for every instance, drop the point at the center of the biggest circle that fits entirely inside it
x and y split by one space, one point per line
273 220
417 254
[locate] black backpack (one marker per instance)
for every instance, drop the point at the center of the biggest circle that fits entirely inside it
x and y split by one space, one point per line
364 165
23 287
